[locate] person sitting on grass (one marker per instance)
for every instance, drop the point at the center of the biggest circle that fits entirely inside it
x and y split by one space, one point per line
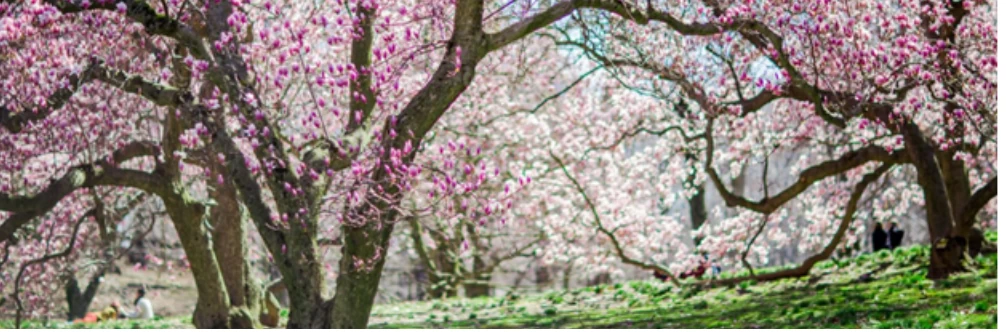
109 313
144 309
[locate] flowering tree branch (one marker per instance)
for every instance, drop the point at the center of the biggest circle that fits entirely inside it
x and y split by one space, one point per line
142 12
16 122
807 177
102 172
43 259
621 8
610 234
808 264
160 94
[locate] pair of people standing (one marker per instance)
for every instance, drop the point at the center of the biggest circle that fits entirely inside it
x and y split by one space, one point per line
887 238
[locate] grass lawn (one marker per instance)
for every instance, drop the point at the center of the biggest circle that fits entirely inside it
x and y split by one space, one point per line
898 296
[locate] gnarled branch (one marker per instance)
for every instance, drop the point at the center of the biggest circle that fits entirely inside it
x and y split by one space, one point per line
102 172
808 177
142 12
16 122
808 264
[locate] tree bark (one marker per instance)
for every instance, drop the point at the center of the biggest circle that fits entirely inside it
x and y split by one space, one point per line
212 305
481 274
304 284
696 203
946 253
479 285
432 261
77 301
230 247
357 283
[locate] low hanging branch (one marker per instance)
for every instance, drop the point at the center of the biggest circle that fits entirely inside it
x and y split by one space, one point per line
102 172
808 264
610 234
808 177
66 252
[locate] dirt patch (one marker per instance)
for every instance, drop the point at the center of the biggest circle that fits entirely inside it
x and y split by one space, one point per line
172 292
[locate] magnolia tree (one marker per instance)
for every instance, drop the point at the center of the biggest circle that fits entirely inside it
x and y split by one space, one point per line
293 114
498 127
899 89
834 98
310 120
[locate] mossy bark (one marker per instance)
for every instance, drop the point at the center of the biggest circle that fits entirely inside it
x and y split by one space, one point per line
230 246
213 304
942 192
357 283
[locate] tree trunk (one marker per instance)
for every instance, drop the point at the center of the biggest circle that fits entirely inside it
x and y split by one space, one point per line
436 262
480 285
305 286
542 277
696 203
946 253
230 248
482 273
77 301
567 272
212 305
357 284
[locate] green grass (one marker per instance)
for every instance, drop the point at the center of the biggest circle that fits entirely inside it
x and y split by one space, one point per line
156 323
898 296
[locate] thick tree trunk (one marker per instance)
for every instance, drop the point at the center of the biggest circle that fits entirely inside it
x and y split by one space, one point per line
566 274
305 286
309 311
443 280
955 178
482 273
542 277
230 247
480 285
441 288
78 302
212 305
946 253
357 283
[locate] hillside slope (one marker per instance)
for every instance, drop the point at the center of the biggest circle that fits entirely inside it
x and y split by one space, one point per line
897 295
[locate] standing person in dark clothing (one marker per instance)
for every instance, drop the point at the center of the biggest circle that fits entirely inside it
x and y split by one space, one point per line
880 238
895 235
